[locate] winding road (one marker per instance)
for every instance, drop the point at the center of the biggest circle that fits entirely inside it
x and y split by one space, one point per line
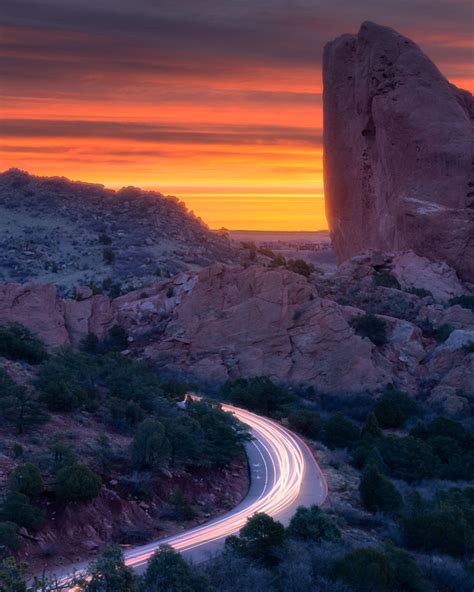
283 475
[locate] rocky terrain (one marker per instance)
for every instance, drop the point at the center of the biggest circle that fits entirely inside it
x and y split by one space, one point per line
227 322
398 150
73 233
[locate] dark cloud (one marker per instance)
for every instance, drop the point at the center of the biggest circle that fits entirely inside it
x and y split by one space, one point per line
137 132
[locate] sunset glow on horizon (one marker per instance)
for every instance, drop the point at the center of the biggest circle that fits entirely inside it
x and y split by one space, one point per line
220 107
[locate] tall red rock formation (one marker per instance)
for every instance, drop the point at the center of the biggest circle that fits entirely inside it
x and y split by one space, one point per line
398 151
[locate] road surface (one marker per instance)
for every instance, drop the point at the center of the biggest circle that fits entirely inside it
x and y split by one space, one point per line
283 475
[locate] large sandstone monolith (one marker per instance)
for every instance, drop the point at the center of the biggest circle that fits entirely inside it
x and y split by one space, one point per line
398 151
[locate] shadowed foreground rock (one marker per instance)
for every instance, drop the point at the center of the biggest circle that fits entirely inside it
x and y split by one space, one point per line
398 149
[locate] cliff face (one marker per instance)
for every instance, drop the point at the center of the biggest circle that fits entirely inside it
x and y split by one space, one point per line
398 150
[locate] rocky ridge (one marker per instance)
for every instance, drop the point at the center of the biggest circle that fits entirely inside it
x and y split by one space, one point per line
71 233
398 151
226 322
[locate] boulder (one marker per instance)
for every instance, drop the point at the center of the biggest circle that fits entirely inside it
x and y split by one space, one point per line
398 151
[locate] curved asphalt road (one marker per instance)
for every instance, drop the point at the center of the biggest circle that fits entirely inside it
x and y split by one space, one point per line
283 475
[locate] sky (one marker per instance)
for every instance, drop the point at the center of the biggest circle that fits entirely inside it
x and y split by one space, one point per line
217 102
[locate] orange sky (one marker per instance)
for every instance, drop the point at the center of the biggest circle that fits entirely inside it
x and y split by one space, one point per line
219 111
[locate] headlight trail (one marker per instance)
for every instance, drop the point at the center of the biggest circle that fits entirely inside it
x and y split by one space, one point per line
284 474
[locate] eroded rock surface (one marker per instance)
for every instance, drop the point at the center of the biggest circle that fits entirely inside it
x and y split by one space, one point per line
398 151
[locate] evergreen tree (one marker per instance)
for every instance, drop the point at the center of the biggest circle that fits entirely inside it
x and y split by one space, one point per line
26 479
150 447
168 572
110 574
377 492
371 427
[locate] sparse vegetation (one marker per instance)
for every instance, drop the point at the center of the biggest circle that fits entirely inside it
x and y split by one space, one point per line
18 343
372 327
386 279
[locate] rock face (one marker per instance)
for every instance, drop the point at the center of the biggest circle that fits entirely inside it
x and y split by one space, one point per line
226 322
398 151
37 307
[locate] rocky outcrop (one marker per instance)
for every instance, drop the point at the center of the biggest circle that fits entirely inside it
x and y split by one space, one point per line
227 322
398 151
37 307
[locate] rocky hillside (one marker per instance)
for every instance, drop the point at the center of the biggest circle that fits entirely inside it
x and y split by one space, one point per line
398 149
70 233
379 319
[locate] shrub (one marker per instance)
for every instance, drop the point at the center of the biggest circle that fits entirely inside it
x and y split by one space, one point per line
371 428
469 347
420 292
386 280
18 406
312 524
368 569
300 266
168 571
109 573
372 327
442 333
306 422
26 479
116 340
260 539
9 538
182 510
18 343
466 301
377 492
446 524
408 458
258 394
108 256
77 482
150 447
340 432
104 239
16 507
394 408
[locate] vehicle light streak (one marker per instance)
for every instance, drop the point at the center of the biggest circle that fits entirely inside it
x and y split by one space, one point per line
289 457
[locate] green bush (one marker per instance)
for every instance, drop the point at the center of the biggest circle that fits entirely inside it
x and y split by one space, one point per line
372 327
77 482
394 408
312 524
446 524
380 570
306 422
26 479
16 507
261 539
223 435
150 447
18 343
108 573
377 492
300 266
258 394
371 427
108 255
408 458
168 571
9 538
386 280
340 432
443 332
18 405
466 301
